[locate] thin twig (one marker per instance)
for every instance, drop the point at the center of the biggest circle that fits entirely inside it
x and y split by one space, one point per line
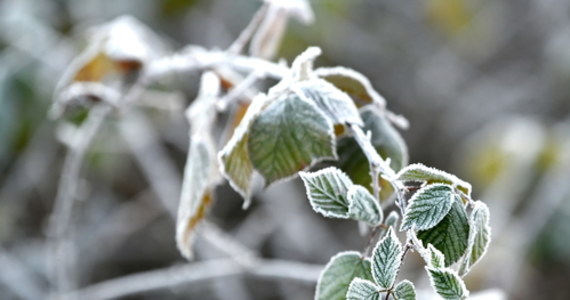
239 44
196 273
59 227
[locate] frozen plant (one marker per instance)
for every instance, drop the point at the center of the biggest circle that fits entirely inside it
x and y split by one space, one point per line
331 116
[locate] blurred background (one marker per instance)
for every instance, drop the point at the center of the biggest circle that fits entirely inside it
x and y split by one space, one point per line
485 85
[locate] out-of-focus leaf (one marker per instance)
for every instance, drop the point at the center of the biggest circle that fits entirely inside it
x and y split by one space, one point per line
270 32
338 274
362 206
115 55
428 207
385 139
289 136
353 83
327 191
405 290
450 235
201 170
386 259
196 194
421 173
479 236
361 289
447 283
392 219
334 103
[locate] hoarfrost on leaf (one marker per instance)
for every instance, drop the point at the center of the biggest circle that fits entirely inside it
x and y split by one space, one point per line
361 289
327 191
362 206
428 207
405 290
421 173
450 235
447 283
386 259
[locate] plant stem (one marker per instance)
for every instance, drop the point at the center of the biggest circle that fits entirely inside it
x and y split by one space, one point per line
60 219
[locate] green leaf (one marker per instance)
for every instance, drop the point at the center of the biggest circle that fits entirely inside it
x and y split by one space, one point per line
289 136
386 259
385 139
327 191
392 219
338 274
421 173
405 290
479 236
353 83
447 283
361 289
450 235
333 102
435 259
362 206
428 207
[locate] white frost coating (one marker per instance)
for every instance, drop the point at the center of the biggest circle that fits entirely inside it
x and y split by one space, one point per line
336 104
350 73
302 67
363 206
420 173
321 200
361 289
428 207
386 259
444 289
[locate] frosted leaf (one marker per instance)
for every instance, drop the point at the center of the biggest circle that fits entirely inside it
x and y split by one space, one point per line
327 192
353 83
479 236
447 283
339 272
450 235
288 136
392 219
234 158
435 258
362 206
333 102
405 290
196 194
421 173
386 259
428 206
116 53
361 289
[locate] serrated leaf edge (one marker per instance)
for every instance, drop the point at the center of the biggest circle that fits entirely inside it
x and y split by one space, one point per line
456 181
412 200
328 265
309 175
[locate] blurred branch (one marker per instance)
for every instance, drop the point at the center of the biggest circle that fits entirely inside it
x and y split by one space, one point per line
18 278
60 220
197 273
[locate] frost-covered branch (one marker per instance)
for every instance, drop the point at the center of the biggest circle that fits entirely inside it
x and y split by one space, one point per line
196 273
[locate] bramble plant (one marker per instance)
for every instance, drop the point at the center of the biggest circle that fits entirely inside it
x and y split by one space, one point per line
327 117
